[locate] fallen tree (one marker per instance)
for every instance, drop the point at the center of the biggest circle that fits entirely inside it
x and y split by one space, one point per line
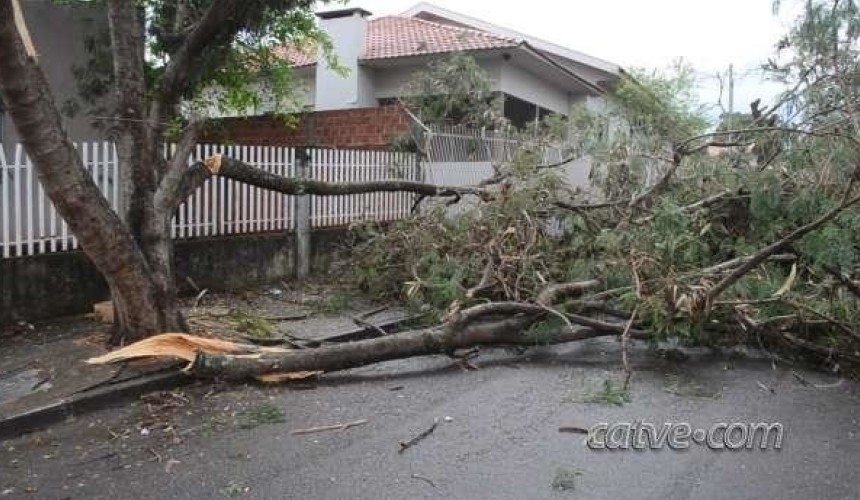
757 247
495 324
492 324
756 243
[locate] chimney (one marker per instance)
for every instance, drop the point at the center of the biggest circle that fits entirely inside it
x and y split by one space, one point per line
347 29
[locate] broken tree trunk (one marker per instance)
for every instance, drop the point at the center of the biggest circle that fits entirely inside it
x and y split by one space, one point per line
238 361
493 324
240 171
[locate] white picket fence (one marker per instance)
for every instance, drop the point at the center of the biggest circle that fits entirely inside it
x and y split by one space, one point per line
30 225
353 166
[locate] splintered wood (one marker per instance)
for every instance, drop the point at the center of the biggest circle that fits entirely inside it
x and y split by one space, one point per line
179 345
186 347
103 312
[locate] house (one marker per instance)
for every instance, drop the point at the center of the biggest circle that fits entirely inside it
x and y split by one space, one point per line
534 77
60 32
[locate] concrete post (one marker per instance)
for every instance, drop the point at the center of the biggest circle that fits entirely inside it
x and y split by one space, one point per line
303 219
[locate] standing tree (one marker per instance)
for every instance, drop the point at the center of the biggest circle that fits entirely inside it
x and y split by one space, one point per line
167 56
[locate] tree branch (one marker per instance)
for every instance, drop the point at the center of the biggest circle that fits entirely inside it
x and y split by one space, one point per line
844 280
400 345
768 251
216 28
242 172
553 293
815 133
136 145
179 180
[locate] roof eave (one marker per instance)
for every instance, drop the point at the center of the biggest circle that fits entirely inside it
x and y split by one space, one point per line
603 65
537 54
411 58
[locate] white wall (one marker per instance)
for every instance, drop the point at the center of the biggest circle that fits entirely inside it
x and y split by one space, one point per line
58 32
521 83
336 91
591 74
303 98
307 85
391 81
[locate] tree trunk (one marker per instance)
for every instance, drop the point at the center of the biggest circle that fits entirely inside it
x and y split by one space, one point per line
438 340
133 250
157 245
141 156
101 233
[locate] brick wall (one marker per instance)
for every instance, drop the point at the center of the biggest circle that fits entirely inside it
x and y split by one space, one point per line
362 128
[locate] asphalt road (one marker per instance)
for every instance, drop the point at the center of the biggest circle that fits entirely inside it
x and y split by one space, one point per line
500 439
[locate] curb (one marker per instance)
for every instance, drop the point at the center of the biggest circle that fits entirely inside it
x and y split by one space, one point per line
32 420
78 404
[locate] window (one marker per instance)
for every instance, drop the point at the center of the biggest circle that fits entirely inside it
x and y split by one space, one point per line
521 113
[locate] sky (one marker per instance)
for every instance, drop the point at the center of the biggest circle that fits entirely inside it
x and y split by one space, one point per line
646 33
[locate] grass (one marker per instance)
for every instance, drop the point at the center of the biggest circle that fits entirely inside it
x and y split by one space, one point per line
565 478
611 395
336 302
235 490
253 326
265 413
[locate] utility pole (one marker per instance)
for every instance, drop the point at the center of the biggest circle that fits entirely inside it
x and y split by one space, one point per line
302 211
731 96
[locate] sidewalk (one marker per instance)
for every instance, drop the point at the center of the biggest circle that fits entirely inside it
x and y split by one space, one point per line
43 377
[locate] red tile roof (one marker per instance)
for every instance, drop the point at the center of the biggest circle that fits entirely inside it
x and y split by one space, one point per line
407 36
305 56
394 36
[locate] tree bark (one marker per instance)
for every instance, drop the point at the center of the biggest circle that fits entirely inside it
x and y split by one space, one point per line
134 250
102 235
430 341
242 172
140 155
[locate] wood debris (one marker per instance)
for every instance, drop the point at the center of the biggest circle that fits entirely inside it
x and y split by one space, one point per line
182 346
324 428
277 378
417 439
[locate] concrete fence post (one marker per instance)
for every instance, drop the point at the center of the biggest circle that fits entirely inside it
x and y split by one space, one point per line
303 218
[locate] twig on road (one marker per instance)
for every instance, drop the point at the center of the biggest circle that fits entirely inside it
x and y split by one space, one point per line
324 428
417 439
422 478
